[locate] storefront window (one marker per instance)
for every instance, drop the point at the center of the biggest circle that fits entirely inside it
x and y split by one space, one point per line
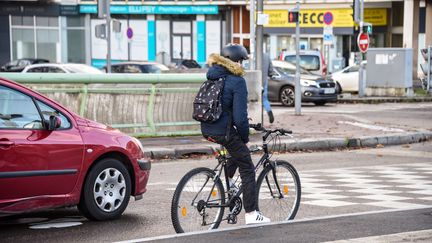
316 43
74 32
28 44
47 41
23 43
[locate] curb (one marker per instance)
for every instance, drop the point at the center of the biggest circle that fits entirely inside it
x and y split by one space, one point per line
376 100
290 145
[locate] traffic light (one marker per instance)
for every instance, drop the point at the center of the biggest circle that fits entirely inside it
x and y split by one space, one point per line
293 16
100 31
367 28
427 66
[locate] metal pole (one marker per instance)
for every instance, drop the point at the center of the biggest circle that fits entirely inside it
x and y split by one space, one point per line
108 26
259 50
297 92
361 81
429 69
361 92
252 35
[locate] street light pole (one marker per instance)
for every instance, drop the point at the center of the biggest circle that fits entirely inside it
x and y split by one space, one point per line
108 25
297 92
252 35
259 49
361 92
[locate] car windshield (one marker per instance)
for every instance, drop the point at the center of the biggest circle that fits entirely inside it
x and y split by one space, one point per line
288 68
81 69
309 62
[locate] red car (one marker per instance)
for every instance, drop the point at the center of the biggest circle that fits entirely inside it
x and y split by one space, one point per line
51 157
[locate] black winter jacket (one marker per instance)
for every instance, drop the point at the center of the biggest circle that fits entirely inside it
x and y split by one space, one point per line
234 98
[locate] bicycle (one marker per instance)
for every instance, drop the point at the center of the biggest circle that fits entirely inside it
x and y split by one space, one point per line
199 199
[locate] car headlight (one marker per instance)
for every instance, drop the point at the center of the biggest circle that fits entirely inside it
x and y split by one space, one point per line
312 83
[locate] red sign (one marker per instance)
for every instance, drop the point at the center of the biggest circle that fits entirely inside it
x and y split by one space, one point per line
328 18
363 42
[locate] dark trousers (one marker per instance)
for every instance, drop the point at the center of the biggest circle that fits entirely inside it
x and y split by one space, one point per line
240 158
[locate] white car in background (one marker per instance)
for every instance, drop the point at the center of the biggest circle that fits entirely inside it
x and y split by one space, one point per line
348 78
61 68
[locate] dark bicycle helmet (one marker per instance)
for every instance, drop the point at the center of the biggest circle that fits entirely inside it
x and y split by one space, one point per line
235 52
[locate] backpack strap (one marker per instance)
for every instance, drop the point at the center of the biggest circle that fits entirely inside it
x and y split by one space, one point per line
230 119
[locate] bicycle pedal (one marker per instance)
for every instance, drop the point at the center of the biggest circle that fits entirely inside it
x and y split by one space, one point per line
232 219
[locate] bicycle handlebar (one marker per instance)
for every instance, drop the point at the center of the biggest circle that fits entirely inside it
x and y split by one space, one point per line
259 127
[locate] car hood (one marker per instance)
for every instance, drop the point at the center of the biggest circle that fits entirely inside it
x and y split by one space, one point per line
315 77
84 122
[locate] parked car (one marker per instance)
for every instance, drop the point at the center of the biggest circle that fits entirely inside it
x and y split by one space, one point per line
20 64
137 67
61 68
315 88
189 64
311 60
50 157
348 78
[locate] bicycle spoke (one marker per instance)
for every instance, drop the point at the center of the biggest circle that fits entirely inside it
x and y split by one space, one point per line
195 202
279 193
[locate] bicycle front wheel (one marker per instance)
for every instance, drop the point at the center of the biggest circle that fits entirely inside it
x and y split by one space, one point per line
279 191
197 201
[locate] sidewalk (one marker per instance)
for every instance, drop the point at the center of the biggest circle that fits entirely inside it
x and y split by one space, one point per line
311 131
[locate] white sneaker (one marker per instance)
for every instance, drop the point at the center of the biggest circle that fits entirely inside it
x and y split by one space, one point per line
255 217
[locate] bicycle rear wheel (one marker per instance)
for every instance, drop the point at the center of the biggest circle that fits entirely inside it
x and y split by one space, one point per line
279 191
197 200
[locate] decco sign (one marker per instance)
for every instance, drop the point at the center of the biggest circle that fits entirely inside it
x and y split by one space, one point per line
314 18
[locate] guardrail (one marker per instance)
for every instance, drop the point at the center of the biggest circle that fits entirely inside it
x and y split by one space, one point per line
141 105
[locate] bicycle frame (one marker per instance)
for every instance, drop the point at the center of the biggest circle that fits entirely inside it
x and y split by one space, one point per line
223 160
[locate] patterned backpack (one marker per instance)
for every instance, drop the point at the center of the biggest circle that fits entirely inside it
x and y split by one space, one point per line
207 106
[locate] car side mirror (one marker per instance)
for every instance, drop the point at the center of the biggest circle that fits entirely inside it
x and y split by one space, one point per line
54 123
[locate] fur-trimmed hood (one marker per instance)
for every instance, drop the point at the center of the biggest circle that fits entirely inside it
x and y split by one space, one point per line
231 66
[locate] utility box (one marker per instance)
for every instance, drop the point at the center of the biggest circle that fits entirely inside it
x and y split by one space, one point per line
389 72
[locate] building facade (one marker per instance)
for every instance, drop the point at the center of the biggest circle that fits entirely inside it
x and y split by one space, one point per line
168 31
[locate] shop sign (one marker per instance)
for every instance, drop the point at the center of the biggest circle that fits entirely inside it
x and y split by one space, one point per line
149 9
315 17
68 10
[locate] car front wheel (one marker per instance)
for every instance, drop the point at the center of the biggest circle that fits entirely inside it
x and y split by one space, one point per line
106 190
287 96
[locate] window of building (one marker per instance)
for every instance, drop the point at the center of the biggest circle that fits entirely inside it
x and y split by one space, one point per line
73 31
35 37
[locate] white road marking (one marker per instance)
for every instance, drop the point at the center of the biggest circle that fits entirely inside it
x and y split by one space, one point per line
371 127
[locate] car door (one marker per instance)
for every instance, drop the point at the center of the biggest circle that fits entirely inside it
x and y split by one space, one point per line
35 162
352 78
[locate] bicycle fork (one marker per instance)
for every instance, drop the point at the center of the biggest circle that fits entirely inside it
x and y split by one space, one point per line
273 166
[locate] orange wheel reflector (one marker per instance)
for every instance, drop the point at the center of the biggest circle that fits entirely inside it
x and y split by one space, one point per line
214 193
184 212
285 189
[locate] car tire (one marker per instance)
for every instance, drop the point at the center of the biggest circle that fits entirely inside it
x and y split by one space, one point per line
286 96
320 103
106 191
338 88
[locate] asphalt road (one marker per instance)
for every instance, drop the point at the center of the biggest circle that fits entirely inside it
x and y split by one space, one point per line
333 183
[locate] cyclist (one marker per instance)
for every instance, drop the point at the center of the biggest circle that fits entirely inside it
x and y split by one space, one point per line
232 128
